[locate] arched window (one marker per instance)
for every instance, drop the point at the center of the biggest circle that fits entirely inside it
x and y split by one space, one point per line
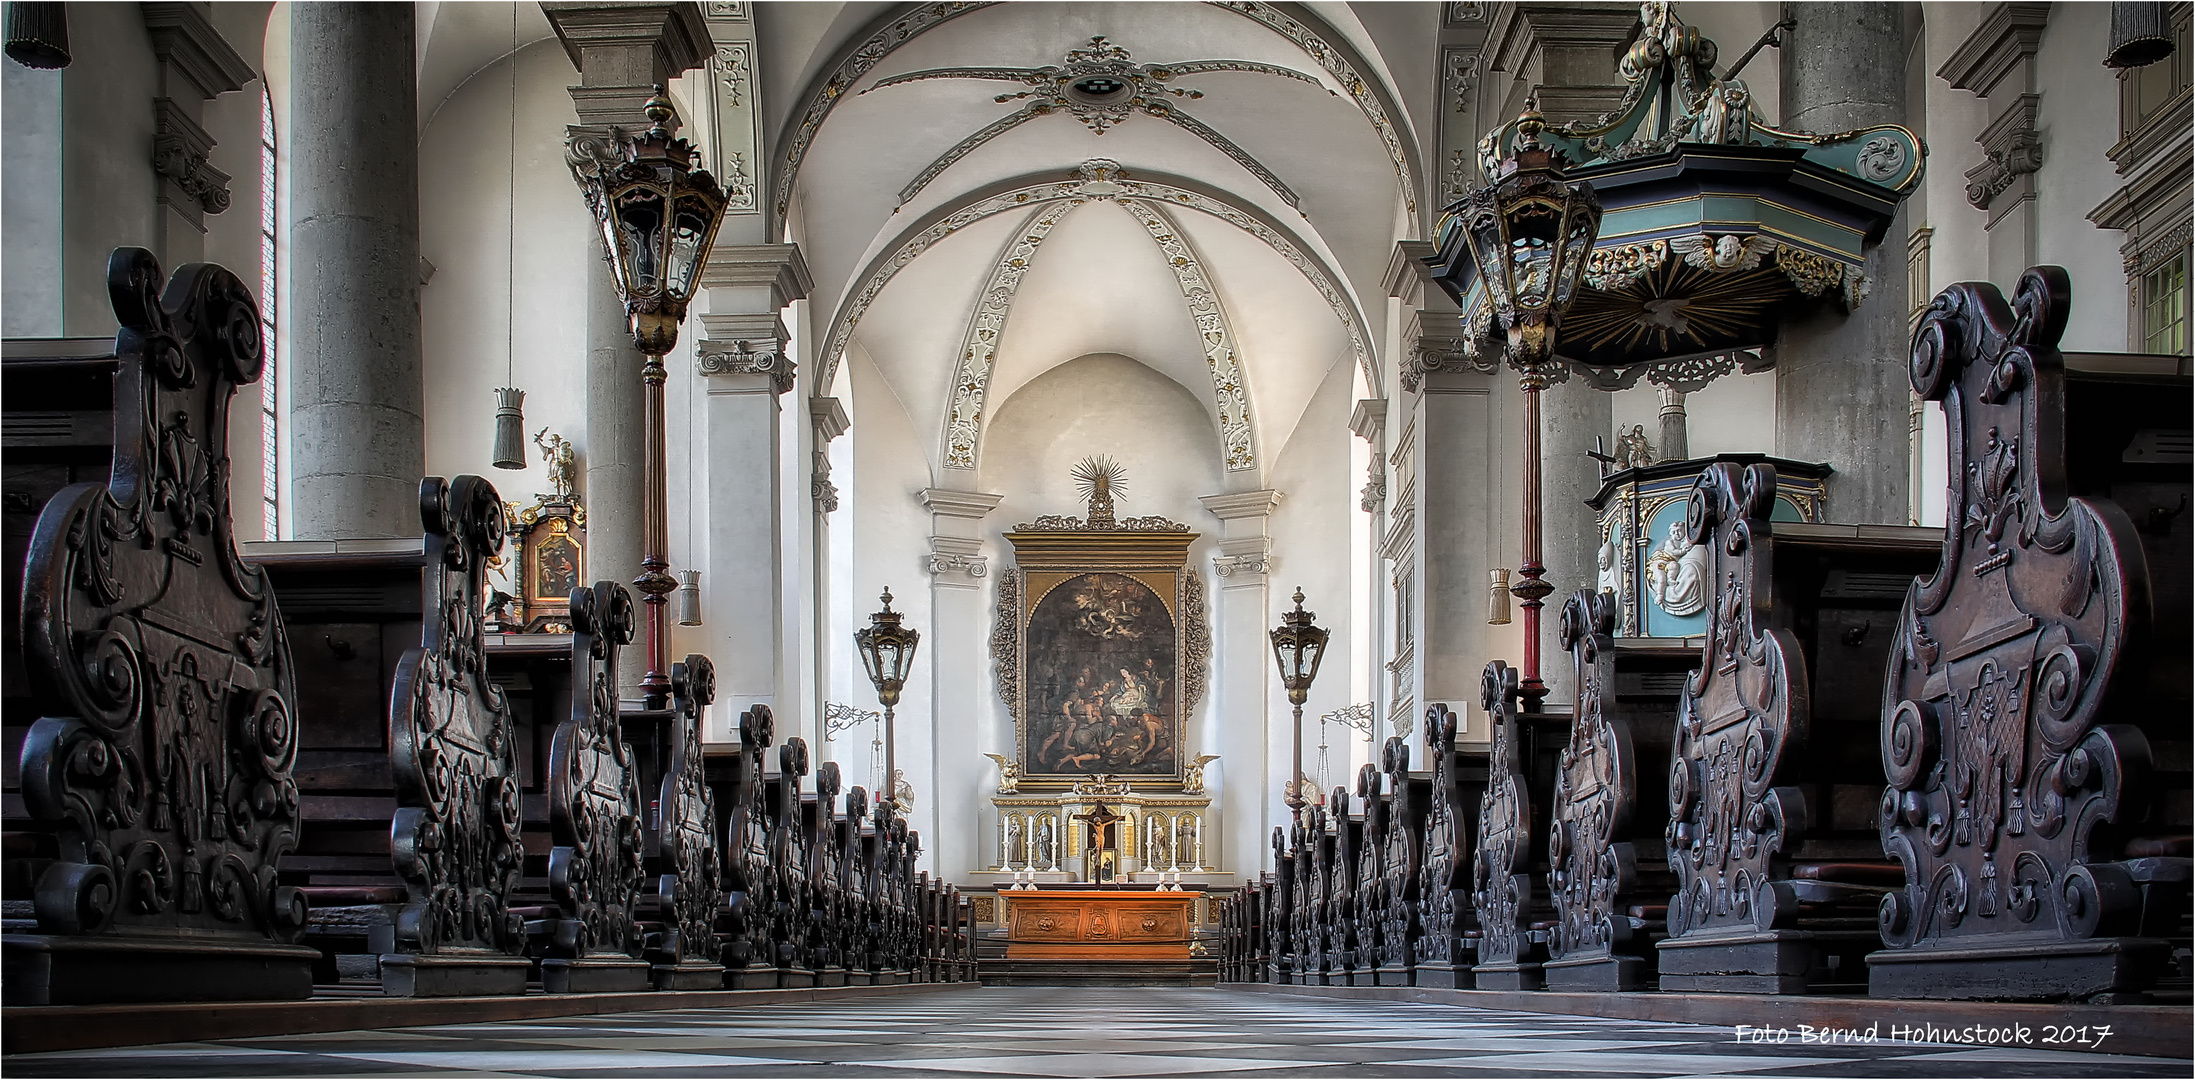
269 382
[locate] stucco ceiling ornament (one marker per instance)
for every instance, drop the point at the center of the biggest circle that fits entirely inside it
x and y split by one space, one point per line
1102 86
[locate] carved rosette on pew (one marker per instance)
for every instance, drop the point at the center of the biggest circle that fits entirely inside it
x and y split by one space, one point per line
1369 880
455 839
1593 945
1399 868
854 876
595 870
1441 898
788 841
1733 820
1501 890
690 893
826 883
750 958
2008 730
157 661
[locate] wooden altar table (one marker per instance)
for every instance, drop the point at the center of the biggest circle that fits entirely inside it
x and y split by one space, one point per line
1098 924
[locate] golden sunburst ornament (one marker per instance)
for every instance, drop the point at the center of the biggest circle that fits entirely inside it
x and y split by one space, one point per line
1097 480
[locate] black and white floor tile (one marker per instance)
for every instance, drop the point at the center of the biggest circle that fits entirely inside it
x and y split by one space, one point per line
1043 1032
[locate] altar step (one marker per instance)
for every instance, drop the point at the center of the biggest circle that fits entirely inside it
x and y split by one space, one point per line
999 971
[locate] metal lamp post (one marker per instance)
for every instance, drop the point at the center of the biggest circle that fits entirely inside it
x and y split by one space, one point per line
1531 233
658 215
1298 646
888 651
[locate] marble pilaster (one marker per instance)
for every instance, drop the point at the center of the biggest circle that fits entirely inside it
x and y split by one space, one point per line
943 763
1254 767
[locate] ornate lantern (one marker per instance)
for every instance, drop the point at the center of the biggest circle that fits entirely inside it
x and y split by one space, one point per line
1298 646
888 651
1531 234
658 216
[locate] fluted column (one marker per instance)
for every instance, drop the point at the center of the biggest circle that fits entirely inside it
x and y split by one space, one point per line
358 439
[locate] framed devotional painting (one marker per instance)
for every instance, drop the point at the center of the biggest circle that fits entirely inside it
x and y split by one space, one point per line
1100 647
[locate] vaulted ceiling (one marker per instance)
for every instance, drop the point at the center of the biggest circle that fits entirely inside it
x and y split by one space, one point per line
998 193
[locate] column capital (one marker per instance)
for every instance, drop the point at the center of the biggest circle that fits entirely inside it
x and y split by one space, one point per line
956 542
779 268
1369 421
186 44
1241 504
741 357
965 505
1408 273
623 51
828 415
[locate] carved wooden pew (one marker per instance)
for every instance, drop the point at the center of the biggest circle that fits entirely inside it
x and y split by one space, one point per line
1514 922
2023 706
1608 802
1311 845
1339 926
1368 881
1771 799
687 846
743 805
854 887
826 880
1280 912
157 792
1446 916
788 845
1400 834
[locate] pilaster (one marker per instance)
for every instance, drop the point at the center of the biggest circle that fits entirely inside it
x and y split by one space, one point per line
1997 63
1242 677
623 51
196 64
944 762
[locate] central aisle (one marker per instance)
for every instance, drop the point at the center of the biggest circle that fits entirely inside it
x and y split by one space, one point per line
1050 1032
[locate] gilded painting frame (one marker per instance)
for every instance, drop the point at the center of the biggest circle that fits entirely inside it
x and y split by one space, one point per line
1077 650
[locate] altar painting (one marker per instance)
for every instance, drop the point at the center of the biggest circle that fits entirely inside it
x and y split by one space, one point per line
1101 692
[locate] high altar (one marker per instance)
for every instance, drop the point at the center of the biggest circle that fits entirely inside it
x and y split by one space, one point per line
1100 650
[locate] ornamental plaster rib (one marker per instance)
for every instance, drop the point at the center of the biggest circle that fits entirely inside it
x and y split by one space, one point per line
824 94
964 416
1229 398
883 271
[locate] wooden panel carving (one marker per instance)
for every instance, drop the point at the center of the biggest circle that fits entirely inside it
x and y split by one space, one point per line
854 876
1501 890
1341 892
1445 853
1370 877
455 837
158 663
690 893
595 870
1280 911
1591 864
1079 924
1995 738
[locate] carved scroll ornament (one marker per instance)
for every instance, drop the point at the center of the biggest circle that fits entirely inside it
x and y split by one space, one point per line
1399 863
788 840
155 658
1999 762
1501 891
1594 792
1729 822
1370 908
826 887
747 881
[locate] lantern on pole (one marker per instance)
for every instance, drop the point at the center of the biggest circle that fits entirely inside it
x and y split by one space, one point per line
1298 646
888 651
658 215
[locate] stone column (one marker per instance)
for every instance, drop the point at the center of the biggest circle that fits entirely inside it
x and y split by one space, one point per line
745 367
1841 385
1249 728
621 52
357 438
945 763
1676 440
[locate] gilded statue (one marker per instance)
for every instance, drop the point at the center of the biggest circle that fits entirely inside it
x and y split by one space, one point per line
563 469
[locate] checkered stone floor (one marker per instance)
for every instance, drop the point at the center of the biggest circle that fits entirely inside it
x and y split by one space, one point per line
1045 1032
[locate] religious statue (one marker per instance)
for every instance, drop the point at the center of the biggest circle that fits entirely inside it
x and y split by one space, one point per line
1009 774
563 470
903 793
1613 545
1187 853
1632 449
1158 852
1047 847
1017 845
1676 574
1192 781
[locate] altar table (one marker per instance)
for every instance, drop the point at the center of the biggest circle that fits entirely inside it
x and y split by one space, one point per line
1098 924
